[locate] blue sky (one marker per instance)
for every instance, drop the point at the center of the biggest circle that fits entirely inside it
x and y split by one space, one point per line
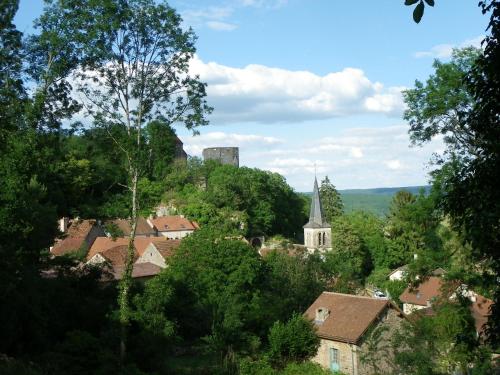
300 83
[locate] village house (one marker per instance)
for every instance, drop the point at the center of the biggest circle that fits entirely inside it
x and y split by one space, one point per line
343 323
79 235
173 227
398 274
143 229
150 255
421 298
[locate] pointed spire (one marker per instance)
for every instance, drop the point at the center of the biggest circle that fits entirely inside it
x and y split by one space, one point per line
316 214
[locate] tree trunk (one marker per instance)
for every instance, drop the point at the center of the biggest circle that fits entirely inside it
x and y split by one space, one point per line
126 281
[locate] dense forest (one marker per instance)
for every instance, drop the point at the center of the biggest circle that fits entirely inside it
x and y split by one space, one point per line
219 307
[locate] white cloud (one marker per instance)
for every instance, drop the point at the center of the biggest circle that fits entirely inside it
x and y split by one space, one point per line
221 26
444 51
194 145
260 93
393 164
270 4
360 157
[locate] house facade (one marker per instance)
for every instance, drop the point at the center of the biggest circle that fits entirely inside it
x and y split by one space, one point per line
344 323
173 227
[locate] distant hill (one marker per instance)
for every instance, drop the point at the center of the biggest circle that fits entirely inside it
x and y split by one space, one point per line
376 200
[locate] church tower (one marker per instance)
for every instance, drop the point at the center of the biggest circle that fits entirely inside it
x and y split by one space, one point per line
317 232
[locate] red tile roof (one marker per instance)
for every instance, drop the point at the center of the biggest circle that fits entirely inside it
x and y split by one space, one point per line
167 248
139 270
80 228
427 290
68 245
117 256
349 318
102 244
75 237
173 223
143 227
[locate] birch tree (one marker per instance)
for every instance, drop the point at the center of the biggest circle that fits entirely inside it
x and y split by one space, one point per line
133 67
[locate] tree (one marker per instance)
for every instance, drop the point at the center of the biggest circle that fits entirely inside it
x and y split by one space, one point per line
293 341
349 261
331 202
132 68
468 173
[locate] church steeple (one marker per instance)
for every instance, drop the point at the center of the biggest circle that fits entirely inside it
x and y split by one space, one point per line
317 232
316 213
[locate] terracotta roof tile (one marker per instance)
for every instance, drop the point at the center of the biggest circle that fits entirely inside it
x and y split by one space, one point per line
427 290
143 227
101 244
173 223
68 245
117 256
350 316
139 270
80 228
167 248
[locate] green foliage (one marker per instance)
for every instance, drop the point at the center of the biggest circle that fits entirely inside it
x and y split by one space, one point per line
441 343
297 280
239 200
331 202
293 341
222 276
349 261
262 367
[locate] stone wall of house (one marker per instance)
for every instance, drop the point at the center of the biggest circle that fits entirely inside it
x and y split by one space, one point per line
176 235
347 355
408 308
151 255
389 323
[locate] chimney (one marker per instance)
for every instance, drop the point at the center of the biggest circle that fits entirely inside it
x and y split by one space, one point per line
63 224
321 314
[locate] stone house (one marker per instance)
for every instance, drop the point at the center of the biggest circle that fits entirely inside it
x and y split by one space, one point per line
398 274
419 300
344 323
173 227
422 296
79 236
150 255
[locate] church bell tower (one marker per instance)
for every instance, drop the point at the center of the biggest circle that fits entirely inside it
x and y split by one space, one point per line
317 232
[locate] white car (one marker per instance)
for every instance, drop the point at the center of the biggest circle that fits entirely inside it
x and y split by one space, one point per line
379 294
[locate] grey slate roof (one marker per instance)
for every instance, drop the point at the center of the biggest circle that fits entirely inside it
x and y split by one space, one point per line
316 214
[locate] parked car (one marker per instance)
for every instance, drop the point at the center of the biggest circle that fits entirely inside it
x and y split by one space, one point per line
379 294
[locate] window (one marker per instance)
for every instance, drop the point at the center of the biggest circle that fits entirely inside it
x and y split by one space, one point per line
324 238
319 239
334 359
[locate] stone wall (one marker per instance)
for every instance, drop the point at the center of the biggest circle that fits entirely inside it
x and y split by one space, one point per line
225 155
383 354
348 356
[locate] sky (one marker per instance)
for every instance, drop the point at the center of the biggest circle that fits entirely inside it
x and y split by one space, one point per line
314 86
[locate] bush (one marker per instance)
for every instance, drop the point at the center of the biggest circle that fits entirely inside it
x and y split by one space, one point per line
293 341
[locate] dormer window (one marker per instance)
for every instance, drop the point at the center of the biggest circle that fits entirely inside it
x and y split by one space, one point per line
321 314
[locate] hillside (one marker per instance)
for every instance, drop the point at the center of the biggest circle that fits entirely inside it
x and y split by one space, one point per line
376 200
